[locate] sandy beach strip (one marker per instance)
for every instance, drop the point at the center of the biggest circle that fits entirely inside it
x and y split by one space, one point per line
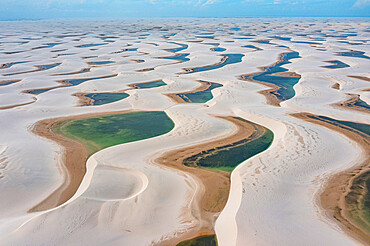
350 103
204 85
215 183
16 105
339 185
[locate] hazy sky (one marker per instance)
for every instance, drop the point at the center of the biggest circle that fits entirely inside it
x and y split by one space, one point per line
38 9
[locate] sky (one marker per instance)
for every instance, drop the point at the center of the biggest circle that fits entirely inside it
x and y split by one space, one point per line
49 9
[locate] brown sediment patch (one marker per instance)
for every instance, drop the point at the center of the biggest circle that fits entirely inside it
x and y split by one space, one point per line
350 103
271 99
73 166
83 70
138 60
213 196
38 69
83 100
145 69
339 185
16 105
360 77
336 86
204 85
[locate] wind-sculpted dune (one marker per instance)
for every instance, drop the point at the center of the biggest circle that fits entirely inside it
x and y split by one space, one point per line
192 132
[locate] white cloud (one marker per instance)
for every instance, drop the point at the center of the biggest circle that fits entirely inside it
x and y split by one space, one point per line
361 3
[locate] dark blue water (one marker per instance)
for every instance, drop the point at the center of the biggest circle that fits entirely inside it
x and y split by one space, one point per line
286 84
354 53
200 96
282 38
263 41
153 84
206 37
104 98
337 64
169 35
2 83
8 65
230 59
39 91
174 50
130 49
235 29
219 49
179 57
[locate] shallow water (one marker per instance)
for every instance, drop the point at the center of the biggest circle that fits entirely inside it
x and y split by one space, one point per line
153 84
336 64
105 98
231 59
180 57
354 53
286 84
174 50
361 104
200 96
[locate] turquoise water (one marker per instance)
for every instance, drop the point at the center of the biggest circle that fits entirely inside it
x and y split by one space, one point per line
362 104
231 59
150 84
286 84
200 96
104 98
336 64
101 62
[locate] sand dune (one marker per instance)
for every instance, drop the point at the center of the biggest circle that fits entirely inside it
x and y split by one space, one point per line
124 195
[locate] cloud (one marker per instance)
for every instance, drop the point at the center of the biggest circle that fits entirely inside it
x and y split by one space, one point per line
361 3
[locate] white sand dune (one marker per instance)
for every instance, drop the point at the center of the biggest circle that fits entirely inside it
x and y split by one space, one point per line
125 197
